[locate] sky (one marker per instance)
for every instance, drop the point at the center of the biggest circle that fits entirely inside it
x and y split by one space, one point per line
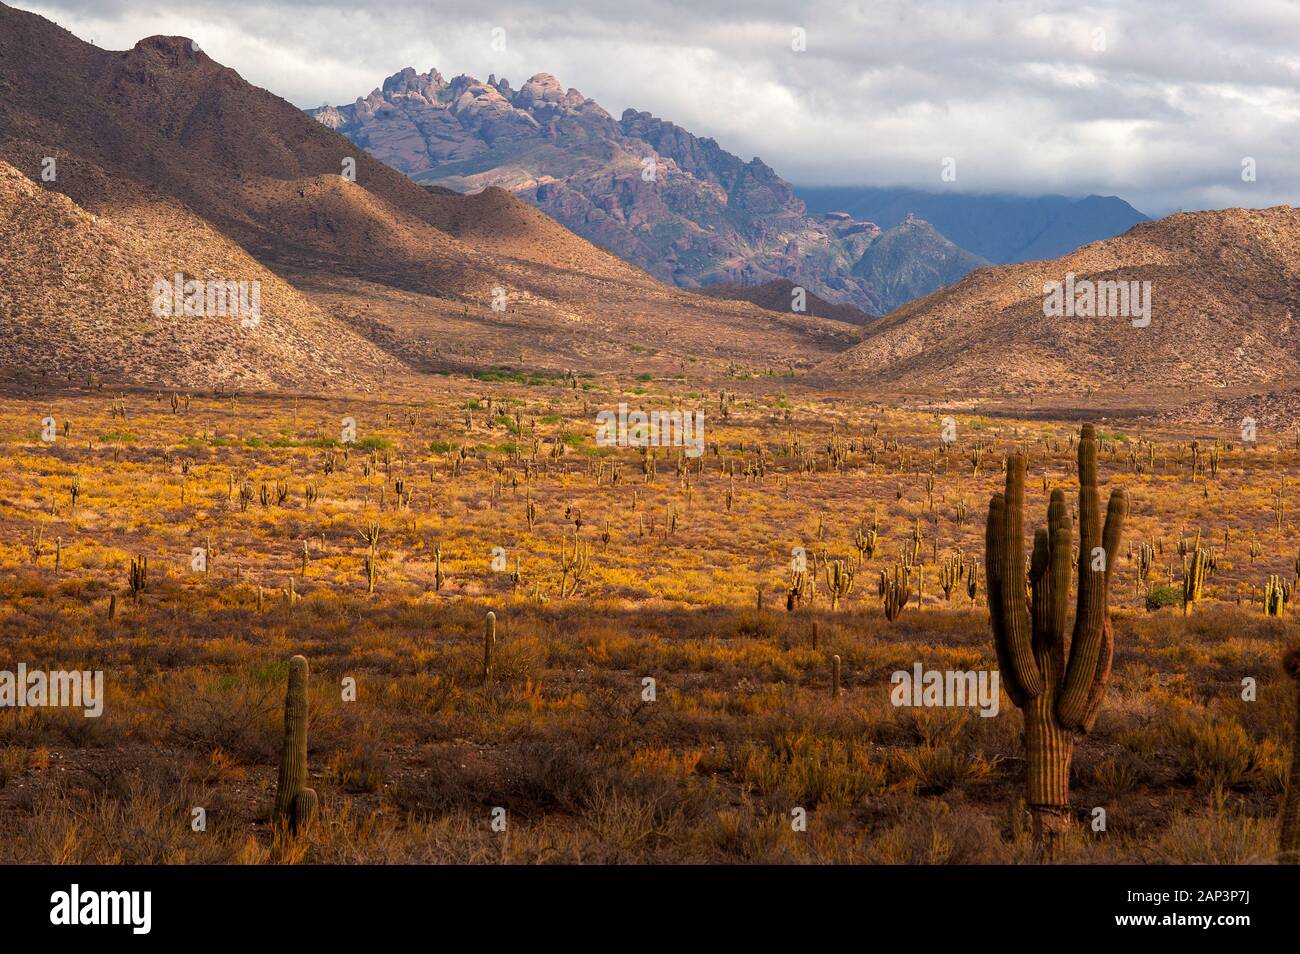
1170 104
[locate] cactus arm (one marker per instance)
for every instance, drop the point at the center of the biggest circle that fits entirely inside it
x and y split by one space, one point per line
993 587
1092 646
1060 538
1116 509
1015 632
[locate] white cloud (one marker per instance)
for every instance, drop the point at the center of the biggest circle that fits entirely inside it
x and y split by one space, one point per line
1157 102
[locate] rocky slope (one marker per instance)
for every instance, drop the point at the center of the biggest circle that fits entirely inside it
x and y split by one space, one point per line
1225 299
77 304
162 138
911 260
780 295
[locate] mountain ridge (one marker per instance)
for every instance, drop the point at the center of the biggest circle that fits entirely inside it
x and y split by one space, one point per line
1223 289
163 138
998 227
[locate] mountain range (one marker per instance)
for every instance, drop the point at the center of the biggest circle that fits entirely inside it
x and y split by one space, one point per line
673 203
162 162
689 212
999 228
119 170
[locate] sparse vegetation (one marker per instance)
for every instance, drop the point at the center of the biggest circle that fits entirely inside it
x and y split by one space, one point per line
541 708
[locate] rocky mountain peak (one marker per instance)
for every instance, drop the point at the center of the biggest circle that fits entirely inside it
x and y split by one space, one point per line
409 83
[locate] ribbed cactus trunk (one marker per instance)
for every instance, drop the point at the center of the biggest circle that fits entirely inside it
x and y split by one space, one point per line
1289 843
294 802
1060 698
1048 752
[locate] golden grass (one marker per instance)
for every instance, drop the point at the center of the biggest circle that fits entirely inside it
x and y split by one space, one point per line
742 729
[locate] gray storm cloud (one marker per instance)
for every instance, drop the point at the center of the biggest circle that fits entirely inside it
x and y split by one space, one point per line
1158 102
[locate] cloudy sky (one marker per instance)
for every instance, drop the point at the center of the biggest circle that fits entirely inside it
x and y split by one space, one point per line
1158 101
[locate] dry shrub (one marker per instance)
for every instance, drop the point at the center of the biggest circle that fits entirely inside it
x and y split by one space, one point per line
935 833
809 772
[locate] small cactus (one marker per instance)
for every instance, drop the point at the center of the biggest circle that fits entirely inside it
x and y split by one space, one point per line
294 802
138 576
489 643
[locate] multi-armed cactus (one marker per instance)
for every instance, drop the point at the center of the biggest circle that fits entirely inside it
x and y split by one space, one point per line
574 565
865 543
370 537
1195 566
1060 698
1289 840
1276 596
294 802
951 572
137 577
1144 558
802 589
839 581
894 591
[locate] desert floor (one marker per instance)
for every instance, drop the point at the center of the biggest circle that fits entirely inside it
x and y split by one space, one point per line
632 567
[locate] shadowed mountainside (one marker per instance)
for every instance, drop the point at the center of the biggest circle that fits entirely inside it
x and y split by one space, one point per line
160 135
1224 290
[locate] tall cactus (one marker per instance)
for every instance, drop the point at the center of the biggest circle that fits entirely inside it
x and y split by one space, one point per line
294 802
489 643
1276 596
1289 842
839 581
1195 565
1060 698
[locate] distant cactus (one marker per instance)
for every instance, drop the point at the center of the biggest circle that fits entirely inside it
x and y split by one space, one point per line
370 536
802 589
835 677
138 576
839 581
865 543
294 802
951 572
574 564
894 591
1060 697
1276 595
489 644
1195 565
1144 559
